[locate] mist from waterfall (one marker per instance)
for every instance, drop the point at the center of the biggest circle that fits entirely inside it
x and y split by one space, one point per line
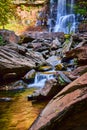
64 18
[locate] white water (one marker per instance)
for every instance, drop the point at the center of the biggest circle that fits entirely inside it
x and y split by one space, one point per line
51 13
65 17
40 79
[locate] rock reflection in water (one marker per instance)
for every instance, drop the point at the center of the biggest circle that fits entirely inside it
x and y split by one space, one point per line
18 114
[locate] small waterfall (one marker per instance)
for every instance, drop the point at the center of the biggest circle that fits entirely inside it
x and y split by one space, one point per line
40 79
52 17
65 17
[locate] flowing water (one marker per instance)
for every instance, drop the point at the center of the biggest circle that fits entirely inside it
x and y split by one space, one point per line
41 78
19 113
62 16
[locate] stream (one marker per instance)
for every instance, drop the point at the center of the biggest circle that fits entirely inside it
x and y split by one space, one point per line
16 112
19 113
41 78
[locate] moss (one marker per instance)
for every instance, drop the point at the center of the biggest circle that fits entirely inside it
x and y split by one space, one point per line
44 68
61 81
67 36
59 67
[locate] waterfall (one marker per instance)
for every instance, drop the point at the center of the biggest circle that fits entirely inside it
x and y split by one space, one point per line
65 17
52 17
40 79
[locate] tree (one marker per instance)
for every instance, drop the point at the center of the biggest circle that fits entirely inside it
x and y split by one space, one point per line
81 8
6 12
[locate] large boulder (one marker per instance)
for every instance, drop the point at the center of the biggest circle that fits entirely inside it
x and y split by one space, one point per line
79 53
45 35
77 72
67 110
17 60
51 87
9 36
29 77
54 60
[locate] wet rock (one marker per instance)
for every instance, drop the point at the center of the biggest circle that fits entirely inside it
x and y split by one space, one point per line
9 36
54 60
46 35
70 64
84 42
55 44
22 50
45 54
30 74
29 45
59 66
52 53
67 110
45 68
41 49
5 99
12 61
19 85
67 36
50 89
79 53
29 77
77 72
67 45
62 78
58 52
37 46
79 40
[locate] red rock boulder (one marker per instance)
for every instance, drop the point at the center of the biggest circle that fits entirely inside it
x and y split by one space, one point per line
67 110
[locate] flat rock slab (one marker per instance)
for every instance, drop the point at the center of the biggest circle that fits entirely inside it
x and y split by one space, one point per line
80 53
17 60
67 110
45 35
9 36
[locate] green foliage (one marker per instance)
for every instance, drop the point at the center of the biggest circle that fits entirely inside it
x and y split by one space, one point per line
67 36
75 61
81 7
23 7
2 43
79 10
6 12
61 81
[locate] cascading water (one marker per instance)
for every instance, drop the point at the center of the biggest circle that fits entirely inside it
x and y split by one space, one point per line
65 17
40 79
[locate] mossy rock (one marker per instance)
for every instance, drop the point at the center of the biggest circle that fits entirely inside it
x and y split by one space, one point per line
45 68
59 66
67 36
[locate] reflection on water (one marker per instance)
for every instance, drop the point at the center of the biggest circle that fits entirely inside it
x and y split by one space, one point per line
18 114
